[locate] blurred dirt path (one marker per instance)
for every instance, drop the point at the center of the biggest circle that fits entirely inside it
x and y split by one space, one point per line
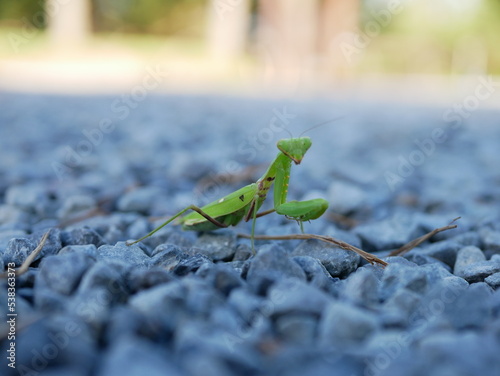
107 73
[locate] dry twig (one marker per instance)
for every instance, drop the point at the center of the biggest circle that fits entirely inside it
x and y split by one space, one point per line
372 259
414 243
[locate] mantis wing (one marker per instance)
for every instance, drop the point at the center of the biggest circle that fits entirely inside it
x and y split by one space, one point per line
227 205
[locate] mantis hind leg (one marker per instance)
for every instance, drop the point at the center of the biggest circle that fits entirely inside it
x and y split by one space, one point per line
190 207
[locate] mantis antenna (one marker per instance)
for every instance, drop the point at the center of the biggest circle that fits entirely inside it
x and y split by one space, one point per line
287 131
321 124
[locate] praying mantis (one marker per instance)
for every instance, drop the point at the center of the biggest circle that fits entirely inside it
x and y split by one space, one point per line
244 203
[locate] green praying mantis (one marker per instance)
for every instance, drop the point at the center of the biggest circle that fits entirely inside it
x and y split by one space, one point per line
244 203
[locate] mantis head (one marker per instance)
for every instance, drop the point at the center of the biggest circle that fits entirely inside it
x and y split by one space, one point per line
295 148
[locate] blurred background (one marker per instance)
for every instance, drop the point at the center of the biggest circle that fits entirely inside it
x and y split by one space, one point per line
432 50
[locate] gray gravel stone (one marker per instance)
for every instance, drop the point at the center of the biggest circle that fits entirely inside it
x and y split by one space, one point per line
247 304
167 256
81 236
418 258
141 199
125 322
445 251
166 248
134 356
143 279
113 234
220 276
495 302
468 238
491 241
297 328
400 306
65 370
169 297
225 318
139 228
346 198
134 255
200 298
343 325
271 264
183 239
465 257
493 280
191 264
76 205
7 235
316 273
295 296
463 307
198 337
199 363
88 249
28 278
402 276
389 233
405 275
29 197
243 252
217 246
337 261
478 271
48 301
93 306
392 341
308 361
362 288
63 273
53 244
446 349
44 225
15 220
103 224
237 266
436 272
109 275
18 249
58 342
346 236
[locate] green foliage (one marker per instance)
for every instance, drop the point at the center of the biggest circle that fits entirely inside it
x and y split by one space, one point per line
434 34
12 12
152 16
129 16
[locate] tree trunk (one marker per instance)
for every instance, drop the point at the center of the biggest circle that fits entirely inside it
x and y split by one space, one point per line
227 29
69 21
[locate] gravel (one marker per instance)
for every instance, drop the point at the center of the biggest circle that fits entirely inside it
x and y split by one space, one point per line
188 304
338 262
271 264
346 326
